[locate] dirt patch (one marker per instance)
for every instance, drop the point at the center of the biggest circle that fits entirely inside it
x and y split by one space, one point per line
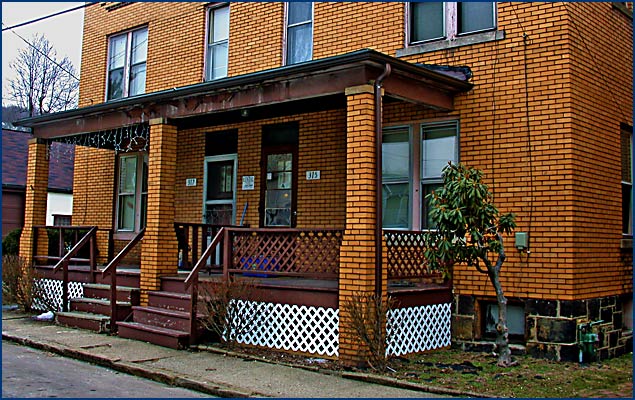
478 372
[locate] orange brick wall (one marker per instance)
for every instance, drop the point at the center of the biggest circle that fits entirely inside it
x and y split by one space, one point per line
561 177
322 139
35 200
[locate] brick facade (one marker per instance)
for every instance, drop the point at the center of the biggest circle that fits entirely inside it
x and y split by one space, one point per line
542 122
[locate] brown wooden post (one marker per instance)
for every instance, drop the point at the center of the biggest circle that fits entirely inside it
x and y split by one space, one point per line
357 253
35 201
159 252
227 253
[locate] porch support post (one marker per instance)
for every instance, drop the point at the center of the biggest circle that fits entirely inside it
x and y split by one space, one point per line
357 253
37 180
159 254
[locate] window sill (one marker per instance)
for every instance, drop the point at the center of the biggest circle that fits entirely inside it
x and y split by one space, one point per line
466 40
127 236
626 243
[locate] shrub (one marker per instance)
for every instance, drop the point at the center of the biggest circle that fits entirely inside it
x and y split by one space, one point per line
20 285
11 243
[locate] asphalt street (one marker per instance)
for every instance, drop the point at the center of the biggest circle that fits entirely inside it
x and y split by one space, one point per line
30 373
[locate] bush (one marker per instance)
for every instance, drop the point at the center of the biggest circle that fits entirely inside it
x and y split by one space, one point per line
20 286
11 243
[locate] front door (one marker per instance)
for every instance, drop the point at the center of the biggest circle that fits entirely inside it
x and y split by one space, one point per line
219 203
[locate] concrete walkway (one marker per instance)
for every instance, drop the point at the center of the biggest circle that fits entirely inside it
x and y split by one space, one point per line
209 372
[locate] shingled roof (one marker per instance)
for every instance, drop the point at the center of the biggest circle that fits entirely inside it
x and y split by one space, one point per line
14 160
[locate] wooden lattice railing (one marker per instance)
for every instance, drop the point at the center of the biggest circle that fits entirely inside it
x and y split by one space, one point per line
312 253
406 255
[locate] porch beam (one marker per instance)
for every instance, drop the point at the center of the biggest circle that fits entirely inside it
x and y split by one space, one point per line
159 254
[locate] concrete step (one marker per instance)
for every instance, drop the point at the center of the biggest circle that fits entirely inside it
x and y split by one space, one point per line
175 339
84 320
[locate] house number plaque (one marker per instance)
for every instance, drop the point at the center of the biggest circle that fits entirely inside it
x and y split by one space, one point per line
248 182
312 175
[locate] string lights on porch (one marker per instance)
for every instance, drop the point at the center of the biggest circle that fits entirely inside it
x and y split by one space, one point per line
121 140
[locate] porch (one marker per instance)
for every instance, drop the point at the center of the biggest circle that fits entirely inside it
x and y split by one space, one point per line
236 152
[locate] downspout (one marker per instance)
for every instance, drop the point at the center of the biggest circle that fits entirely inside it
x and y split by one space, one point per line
378 185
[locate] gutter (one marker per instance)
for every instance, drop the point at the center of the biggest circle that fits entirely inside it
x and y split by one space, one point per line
378 179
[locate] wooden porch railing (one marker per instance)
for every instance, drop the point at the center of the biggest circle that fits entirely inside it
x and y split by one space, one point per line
111 269
89 237
192 239
309 253
406 255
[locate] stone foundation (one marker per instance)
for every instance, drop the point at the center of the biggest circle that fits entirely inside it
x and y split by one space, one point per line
550 326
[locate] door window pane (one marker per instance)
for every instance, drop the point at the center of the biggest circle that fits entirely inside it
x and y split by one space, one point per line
427 21
220 180
279 190
475 16
218 214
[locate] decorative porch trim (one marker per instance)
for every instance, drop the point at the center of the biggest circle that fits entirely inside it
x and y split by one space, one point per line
52 293
123 139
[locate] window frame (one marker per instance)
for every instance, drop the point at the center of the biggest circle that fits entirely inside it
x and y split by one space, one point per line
624 184
417 182
285 39
207 69
451 28
233 157
138 194
127 66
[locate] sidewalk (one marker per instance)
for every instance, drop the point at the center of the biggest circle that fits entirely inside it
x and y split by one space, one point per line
205 371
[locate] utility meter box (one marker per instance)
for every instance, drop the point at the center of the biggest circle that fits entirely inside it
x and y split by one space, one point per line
522 240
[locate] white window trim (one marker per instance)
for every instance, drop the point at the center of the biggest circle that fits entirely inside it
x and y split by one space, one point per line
452 38
287 26
127 63
125 233
629 234
206 44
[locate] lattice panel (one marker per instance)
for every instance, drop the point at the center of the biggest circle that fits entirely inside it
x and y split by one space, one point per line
416 329
405 252
52 293
287 252
304 329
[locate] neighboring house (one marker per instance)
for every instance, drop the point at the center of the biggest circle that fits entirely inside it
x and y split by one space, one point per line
268 113
59 205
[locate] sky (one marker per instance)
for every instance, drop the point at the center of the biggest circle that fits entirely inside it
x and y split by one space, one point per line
63 31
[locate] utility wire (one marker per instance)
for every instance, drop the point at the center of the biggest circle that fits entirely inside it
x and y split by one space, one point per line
46 56
49 16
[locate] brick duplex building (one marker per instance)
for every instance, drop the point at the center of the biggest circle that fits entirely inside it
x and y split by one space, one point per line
267 115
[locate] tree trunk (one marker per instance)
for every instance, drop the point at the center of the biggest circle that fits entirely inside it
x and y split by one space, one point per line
502 335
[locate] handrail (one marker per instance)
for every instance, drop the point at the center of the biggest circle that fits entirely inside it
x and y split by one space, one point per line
113 276
204 257
75 248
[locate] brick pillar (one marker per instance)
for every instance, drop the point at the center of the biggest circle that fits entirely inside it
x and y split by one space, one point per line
357 254
159 252
37 180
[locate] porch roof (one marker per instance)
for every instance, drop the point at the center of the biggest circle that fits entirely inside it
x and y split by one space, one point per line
312 82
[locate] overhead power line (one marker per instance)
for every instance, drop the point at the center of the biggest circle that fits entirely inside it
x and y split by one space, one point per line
49 16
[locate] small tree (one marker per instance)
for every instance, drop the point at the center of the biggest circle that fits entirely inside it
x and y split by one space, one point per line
43 83
469 229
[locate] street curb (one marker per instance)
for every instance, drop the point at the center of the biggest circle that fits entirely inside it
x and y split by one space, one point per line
358 376
133 369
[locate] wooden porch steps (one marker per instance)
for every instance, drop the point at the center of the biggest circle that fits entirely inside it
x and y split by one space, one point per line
93 311
165 321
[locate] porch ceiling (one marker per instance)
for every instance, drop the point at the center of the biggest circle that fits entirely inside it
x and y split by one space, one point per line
298 88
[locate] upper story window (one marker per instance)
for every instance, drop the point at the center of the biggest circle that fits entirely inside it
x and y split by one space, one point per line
447 20
217 43
127 54
299 32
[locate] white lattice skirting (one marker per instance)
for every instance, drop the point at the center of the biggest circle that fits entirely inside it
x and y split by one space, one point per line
305 329
52 291
416 329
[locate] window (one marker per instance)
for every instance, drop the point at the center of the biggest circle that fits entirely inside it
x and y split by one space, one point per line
299 32
217 43
132 192
61 220
127 64
627 180
406 184
446 20
515 321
